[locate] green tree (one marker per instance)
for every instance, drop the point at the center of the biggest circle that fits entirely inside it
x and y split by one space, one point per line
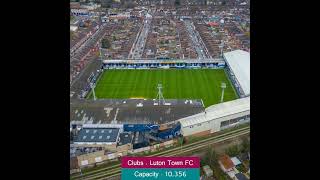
245 145
180 140
72 18
177 2
105 43
219 174
213 157
106 3
233 151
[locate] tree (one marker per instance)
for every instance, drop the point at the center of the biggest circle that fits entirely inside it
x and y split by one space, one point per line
247 34
177 2
181 140
106 3
233 151
213 157
219 174
245 146
128 4
105 43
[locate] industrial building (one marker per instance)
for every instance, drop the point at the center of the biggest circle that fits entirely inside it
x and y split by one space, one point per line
217 117
238 68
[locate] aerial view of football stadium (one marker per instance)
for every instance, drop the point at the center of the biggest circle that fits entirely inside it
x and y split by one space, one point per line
159 78
177 84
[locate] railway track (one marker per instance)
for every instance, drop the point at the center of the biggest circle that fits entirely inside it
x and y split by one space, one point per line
102 176
115 170
172 150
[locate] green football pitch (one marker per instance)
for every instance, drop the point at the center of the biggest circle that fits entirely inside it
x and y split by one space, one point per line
177 84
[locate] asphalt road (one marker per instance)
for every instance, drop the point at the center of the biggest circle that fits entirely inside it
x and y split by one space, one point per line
141 41
197 43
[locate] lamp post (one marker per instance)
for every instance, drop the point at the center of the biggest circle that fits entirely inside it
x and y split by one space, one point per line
223 86
92 88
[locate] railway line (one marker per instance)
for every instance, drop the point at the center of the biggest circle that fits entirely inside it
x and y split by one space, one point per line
115 170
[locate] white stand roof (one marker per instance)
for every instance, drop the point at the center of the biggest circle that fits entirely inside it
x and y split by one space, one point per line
218 111
239 63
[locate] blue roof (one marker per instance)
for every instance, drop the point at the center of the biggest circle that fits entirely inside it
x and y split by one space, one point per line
97 135
241 176
125 138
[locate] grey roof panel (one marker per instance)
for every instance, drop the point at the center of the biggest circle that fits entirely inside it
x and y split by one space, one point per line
98 135
115 111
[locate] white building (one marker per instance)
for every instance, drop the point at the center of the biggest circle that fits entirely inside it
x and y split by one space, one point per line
238 67
73 28
217 117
